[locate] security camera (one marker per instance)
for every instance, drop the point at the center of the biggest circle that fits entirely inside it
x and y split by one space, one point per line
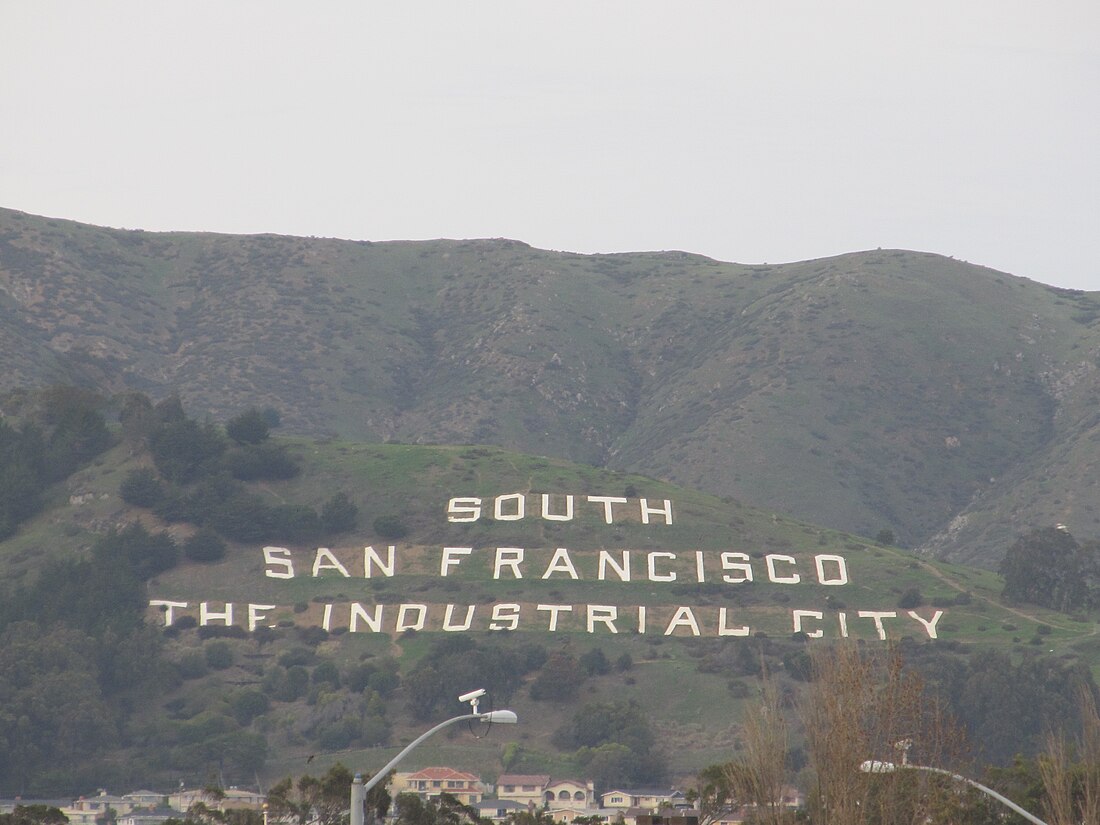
472 696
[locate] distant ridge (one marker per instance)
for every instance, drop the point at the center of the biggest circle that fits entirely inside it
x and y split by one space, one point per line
950 404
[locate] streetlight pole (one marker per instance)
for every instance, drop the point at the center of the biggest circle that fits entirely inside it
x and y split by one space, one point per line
359 789
874 766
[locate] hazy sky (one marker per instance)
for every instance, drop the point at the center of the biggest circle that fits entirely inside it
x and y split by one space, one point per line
746 130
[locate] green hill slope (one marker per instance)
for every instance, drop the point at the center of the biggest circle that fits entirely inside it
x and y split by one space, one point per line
690 668
951 404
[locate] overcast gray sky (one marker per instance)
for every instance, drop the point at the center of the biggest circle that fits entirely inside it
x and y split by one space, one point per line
746 130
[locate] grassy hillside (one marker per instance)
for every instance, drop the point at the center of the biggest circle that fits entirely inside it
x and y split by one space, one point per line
949 403
688 684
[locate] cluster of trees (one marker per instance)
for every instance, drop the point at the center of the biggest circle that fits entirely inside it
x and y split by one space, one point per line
61 429
347 708
321 800
457 664
76 658
1049 568
863 706
1005 703
613 743
199 473
34 815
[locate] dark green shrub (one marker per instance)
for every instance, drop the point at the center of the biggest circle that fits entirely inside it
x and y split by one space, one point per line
142 488
252 462
219 655
326 673
297 656
250 427
191 665
338 515
204 546
910 599
594 662
390 527
248 704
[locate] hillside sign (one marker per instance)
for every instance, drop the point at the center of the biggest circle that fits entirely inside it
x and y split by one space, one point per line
655 567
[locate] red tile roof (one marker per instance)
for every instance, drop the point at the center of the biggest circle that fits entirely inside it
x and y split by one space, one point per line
443 773
539 779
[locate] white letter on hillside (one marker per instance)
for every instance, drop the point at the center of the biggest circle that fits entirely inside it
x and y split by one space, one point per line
450 558
374 623
505 617
419 612
878 616
370 558
324 560
256 614
842 570
684 618
728 563
798 615
648 511
653 575
561 563
554 609
464 509
449 614
169 616
546 514
498 507
771 559
271 557
723 630
508 557
206 615
605 614
607 501
606 561
930 626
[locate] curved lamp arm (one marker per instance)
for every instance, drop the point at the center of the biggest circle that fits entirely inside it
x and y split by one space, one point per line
359 788
874 766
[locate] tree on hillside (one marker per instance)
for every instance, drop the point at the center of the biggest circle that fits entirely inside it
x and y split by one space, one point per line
142 488
137 418
184 450
1049 568
338 515
559 679
53 712
614 743
454 665
204 546
62 430
250 427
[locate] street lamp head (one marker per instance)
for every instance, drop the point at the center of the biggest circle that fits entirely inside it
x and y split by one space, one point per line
875 766
501 717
